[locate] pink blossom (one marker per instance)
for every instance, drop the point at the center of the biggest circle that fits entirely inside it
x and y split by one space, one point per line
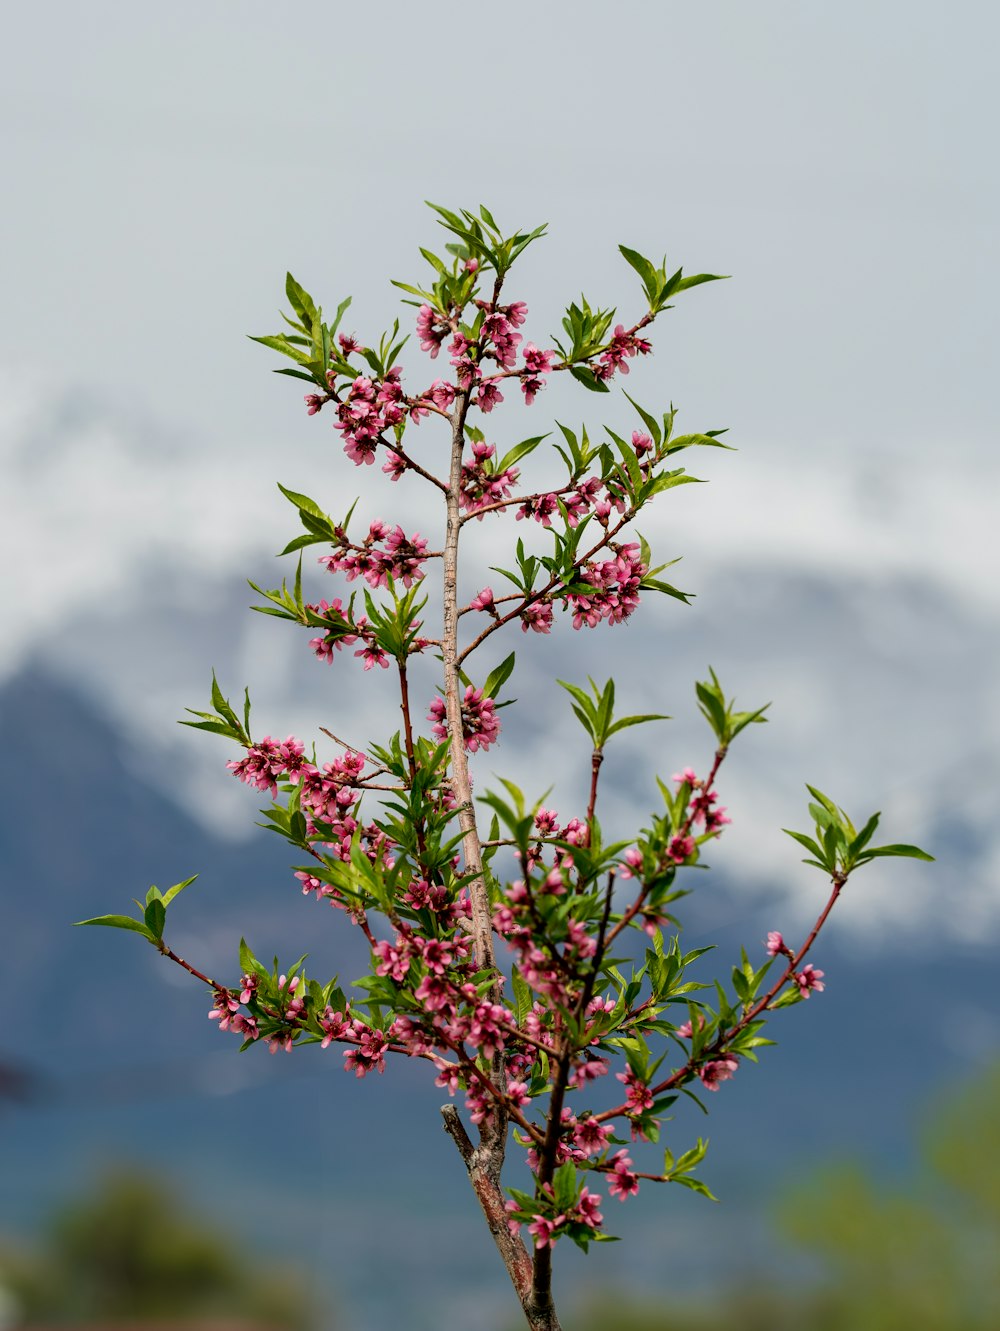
680 848
633 862
615 584
637 1092
480 723
591 1136
488 396
435 993
449 1078
517 1093
541 509
483 600
546 823
267 761
538 362
479 1103
334 1025
775 943
430 332
499 330
313 403
537 616
485 1031
531 386
223 1008
544 1230
579 939
373 655
716 1071
394 466
586 1211
684 1030
466 371
809 978
393 961
441 394
623 1182
369 1056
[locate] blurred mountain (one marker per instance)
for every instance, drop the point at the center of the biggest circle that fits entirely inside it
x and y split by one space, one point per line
116 1058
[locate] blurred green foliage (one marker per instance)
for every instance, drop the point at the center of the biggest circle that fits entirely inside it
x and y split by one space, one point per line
922 1256
129 1250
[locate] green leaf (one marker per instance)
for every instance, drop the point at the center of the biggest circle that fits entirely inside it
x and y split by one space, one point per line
644 268
342 308
177 888
303 502
636 721
806 841
155 917
300 542
498 677
301 302
120 922
584 375
248 962
825 800
696 280
649 421
864 836
906 852
313 379
214 727
286 347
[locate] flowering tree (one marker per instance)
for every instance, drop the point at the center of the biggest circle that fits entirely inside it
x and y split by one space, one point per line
500 936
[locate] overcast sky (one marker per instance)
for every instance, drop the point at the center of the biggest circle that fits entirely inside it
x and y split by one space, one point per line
163 166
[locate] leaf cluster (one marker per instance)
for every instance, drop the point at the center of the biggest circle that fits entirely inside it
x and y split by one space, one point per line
837 847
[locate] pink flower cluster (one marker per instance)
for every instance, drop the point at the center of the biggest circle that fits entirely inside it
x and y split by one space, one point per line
497 335
701 802
584 1213
576 503
481 483
622 347
536 363
267 762
624 1183
340 633
369 1055
401 557
537 616
328 794
480 723
616 588
226 1011
367 410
